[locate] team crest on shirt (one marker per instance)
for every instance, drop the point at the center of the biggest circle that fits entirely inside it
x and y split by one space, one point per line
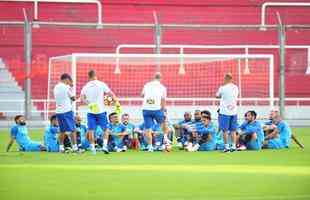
150 101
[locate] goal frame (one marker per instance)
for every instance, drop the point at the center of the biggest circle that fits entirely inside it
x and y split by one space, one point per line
74 56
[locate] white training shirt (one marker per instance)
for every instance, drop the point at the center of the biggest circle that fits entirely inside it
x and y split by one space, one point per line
63 94
229 95
153 93
94 92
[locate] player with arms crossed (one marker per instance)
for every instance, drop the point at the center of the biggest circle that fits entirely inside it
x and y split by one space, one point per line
93 94
154 99
228 124
64 96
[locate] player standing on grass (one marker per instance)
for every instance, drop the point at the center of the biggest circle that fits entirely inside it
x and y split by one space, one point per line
93 94
154 101
228 121
64 96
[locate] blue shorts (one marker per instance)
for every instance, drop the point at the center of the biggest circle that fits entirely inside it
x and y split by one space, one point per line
31 146
228 123
52 147
94 120
253 145
208 146
150 115
275 143
66 121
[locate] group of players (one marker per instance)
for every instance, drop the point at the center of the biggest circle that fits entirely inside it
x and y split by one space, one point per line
109 133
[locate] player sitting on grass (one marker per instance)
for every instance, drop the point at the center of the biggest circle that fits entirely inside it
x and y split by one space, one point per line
118 134
277 127
19 133
143 141
205 134
197 122
181 132
133 141
81 134
93 94
251 133
64 96
50 135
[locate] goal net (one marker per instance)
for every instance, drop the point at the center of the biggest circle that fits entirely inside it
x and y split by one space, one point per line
191 79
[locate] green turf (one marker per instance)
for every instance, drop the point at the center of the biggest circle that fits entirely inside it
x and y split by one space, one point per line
275 175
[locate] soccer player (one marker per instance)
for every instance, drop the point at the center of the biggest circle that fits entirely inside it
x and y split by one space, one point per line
181 132
204 135
190 127
19 133
228 122
251 131
154 101
130 129
81 134
50 135
278 126
93 94
64 97
118 133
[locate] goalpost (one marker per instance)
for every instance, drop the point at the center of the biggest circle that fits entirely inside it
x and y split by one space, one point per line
191 79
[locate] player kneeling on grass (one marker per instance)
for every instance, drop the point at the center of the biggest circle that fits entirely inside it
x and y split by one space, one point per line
204 134
251 133
118 134
50 135
19 133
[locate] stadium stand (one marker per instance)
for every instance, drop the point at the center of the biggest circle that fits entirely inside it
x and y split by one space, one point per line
54 41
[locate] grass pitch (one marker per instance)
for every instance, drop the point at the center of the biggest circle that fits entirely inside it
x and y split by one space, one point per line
268 174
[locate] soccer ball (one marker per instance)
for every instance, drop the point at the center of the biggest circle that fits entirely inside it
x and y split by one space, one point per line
108 100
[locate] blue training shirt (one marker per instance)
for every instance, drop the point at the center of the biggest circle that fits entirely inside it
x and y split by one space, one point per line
20 133
210 129
50 134
253 127
285 133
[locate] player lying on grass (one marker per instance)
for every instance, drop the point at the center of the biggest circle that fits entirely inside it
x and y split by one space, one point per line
51 135
251 133
204 134
93 94
19 133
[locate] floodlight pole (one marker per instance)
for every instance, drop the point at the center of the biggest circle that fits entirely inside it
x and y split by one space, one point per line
27 61
281 36
157 36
